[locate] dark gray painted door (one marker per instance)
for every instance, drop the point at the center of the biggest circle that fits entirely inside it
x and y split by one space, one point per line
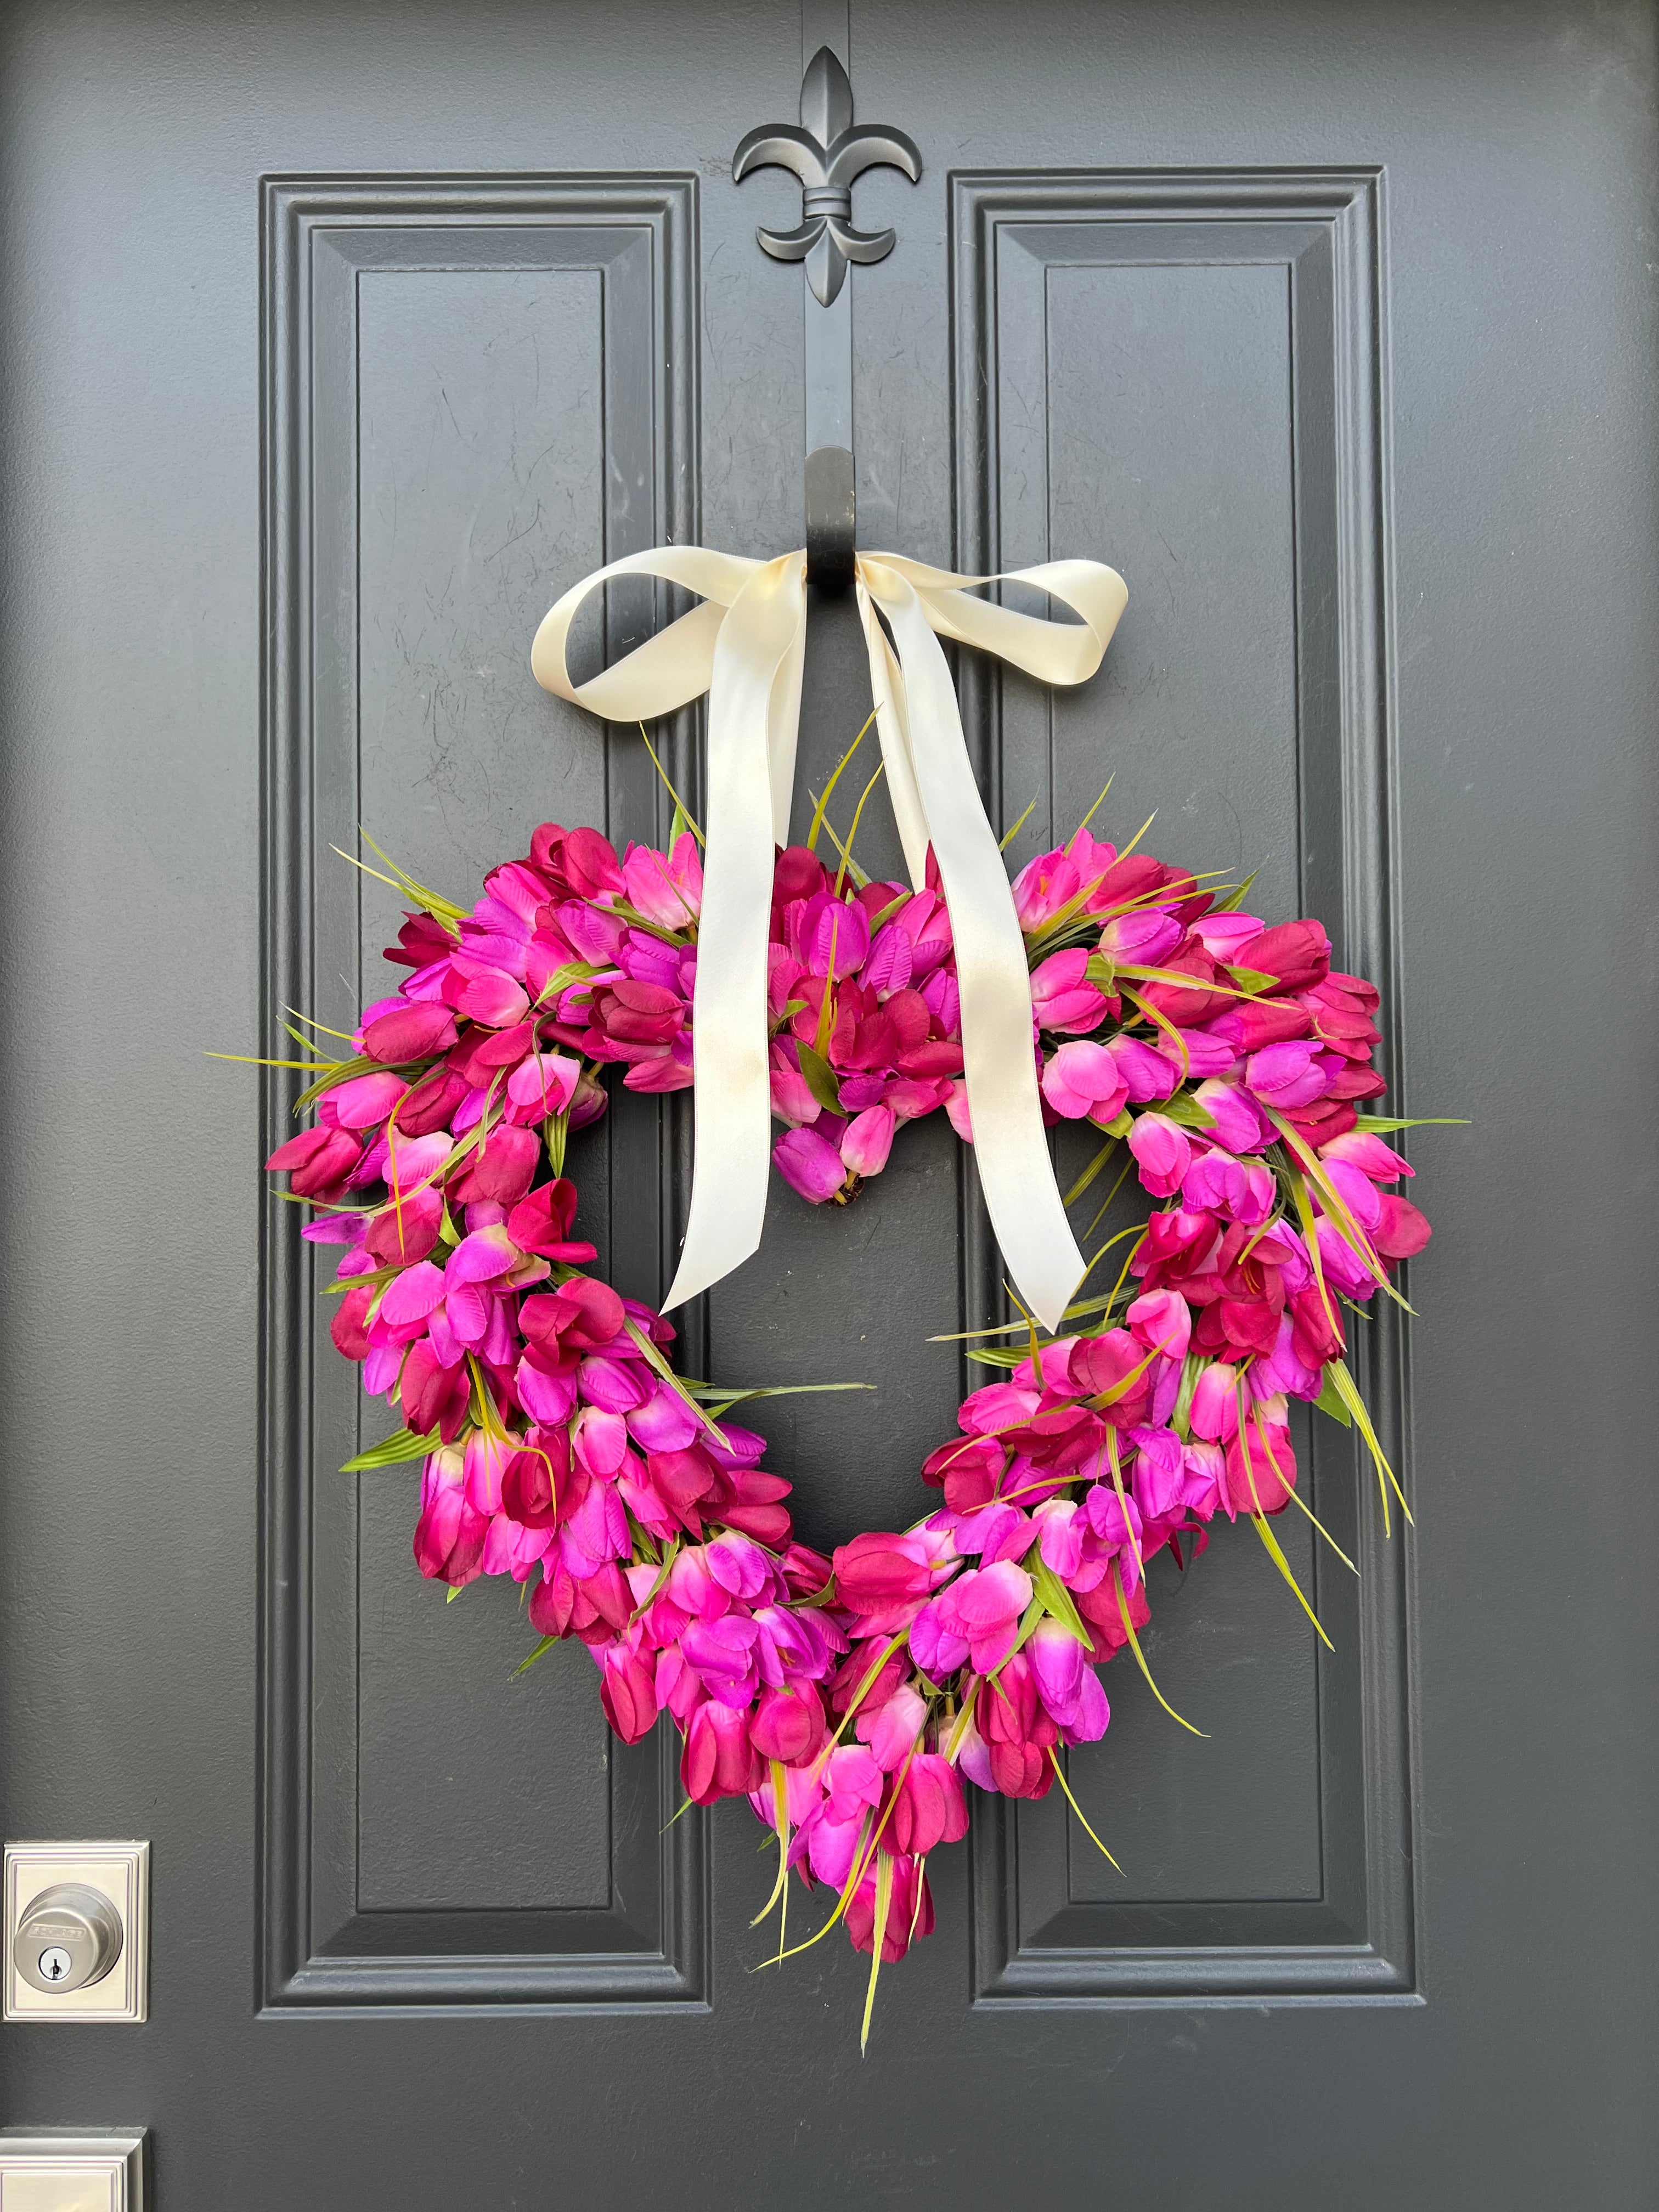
337 341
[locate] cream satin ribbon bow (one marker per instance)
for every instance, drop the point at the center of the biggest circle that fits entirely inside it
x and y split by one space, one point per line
744 646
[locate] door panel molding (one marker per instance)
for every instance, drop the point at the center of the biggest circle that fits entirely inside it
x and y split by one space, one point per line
1035 1939
638 1935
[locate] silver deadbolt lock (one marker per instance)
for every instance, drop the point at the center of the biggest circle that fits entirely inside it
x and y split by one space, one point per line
69 1937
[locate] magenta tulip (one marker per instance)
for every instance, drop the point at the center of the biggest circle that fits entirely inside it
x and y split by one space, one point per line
1162 1153
868 1141
1081 1079
809 1164
788 1723
929 1806
411 1030
718 1761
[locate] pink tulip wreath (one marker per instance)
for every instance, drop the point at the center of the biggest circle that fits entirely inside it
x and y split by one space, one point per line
846 1697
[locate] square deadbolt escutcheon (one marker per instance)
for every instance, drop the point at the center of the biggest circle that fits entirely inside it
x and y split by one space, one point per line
117 1871
57 2170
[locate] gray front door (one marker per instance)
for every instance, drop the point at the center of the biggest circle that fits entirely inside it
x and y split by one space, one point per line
338 341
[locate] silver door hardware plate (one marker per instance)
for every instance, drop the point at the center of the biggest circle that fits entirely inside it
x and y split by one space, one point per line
76 1937
60 2172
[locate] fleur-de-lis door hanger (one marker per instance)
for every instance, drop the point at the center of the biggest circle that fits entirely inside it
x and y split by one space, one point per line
826 153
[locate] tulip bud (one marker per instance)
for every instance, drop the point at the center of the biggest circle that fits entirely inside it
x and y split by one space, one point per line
929 1806
874 1572
718 1761
628 1692
868 1141
788 1724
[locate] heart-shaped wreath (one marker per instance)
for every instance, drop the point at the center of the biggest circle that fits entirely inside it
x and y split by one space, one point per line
847 1697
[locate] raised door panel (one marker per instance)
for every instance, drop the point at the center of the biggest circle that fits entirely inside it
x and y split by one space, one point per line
473 386
1180 372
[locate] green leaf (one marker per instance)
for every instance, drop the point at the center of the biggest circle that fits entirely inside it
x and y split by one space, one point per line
1121 1127
725 1396
1254 979
821 805
1283 1567
1100 972
1186 1110
1330 1400
394 1449
1235 898
1377 1123
1090 1172
341 1072
820 1078
1057 1599
540 1651
682 818
1009 836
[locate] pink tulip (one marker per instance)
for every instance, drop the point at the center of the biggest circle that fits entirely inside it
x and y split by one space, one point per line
809 1165
544 1085
1297 954
628 1692
449 1536
828 922
1238 1123
434 1396
363 1101
1018 1731
868 1141
1361 1149
500 1170
909 1910
1062 998
929 1806
1081 1079
318 1161
1226 936
983 1608
405 1231
1066 1683
617 1386
1402 1232
1260 1463
1042 887
792 1100
892 1728
788 1724
1286 1076
665 889
483 993
875 1572
1147 1076
1212 1415
412 1297
1193 1053
718 1761
542 1223
409 1032
1144 937
1358 1192
1162 1153
739 1566
723 1652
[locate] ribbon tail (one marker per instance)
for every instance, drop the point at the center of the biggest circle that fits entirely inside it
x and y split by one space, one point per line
904 795
998 1058
754 689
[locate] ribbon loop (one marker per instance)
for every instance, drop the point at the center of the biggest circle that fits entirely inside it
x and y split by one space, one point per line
744 646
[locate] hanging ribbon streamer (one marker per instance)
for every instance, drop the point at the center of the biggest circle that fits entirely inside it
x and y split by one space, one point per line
744 646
